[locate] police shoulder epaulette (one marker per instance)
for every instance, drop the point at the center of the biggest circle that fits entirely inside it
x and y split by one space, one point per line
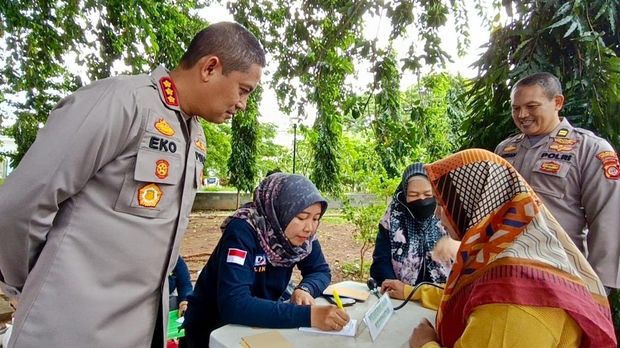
168 92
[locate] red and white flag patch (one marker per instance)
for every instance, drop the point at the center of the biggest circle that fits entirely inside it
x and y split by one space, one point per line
236 256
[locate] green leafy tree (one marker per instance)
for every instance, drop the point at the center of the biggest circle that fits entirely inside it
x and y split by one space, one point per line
317 44
576 40
269 153
391 146
421 124
435 113
218 148
365 220
242 161
359 162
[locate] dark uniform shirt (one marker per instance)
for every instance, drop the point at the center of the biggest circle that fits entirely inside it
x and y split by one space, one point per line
239 286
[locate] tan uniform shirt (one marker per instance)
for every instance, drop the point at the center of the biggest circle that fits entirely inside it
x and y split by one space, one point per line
576 175
92 218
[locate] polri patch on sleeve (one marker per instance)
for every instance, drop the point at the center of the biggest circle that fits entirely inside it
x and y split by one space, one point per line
236 256
611 167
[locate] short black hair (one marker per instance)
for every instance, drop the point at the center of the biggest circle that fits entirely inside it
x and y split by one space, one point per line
550 84
231 42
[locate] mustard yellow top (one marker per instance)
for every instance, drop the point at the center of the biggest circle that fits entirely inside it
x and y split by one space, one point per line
508 325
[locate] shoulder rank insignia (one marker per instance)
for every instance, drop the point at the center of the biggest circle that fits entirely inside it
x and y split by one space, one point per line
169 91
550 167
611 167
510 149
161 169
164 128
200 145
562 133
149 195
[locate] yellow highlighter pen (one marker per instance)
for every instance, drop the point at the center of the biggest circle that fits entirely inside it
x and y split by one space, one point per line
337 299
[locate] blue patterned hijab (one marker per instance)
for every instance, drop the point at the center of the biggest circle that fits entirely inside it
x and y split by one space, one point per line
277 200
412 239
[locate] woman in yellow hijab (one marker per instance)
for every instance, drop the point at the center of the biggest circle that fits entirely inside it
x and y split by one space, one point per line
518 280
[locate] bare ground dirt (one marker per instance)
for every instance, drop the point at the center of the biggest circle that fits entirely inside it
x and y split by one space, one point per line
203 232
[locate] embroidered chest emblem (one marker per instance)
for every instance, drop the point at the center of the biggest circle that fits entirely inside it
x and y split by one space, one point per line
149 195
550 167
565 141
169 91
164 128
201 145
560 147
510 149
161 169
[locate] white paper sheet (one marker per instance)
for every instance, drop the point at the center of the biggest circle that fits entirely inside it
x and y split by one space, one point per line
347 330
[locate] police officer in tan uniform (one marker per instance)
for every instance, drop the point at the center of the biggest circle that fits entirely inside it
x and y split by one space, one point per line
92 218
573 171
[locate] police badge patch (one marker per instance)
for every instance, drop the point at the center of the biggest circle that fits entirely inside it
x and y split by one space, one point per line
149 195
611 167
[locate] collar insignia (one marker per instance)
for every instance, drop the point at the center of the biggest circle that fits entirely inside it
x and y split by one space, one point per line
562 133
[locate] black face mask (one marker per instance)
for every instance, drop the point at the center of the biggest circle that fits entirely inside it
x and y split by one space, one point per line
422 208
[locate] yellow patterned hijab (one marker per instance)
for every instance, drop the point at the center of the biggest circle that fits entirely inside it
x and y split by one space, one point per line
512 249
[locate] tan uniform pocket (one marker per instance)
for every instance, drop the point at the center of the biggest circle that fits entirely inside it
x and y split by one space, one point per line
547 172
153 185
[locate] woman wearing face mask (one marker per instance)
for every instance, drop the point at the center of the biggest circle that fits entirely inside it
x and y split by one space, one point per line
252 264
408 233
